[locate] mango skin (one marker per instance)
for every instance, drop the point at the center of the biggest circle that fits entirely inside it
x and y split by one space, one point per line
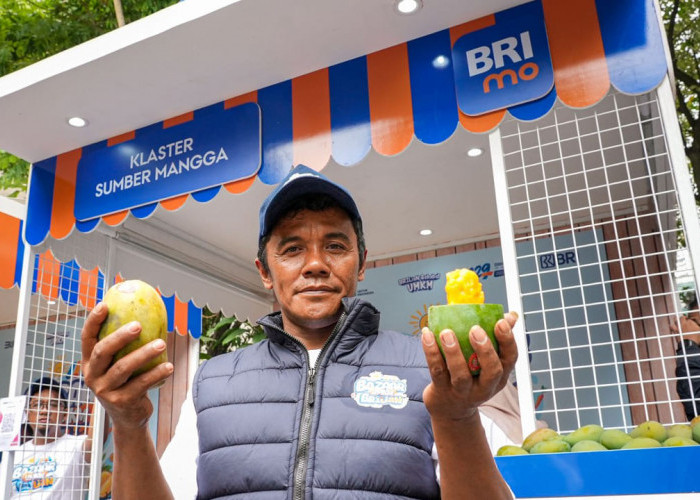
587 445
590 432
650 429
509 449
539 435
680 430
551 446
641 442
460 318
614 439
695 426
135 300
679 441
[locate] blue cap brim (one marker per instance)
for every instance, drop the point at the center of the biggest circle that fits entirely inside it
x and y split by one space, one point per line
301 181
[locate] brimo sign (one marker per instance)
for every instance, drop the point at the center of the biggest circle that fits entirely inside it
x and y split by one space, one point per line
483 59
504 64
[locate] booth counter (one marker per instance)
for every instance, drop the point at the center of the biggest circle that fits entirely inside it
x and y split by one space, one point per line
572 213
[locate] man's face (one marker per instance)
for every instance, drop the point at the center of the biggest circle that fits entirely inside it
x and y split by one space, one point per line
313 263
45 413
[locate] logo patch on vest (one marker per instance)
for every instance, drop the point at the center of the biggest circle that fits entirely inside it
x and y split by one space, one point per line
376 390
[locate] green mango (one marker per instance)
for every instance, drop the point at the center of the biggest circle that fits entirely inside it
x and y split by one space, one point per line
551 446
539 435
135 300
680 430
679 441
695 426
614 439
650 429
460 318
590 432
642 442
587 445
510 449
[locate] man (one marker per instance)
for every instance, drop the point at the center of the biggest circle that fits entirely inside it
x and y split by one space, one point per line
52 465
688 360
327 406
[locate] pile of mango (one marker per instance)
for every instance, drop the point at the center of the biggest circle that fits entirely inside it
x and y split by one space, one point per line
650 434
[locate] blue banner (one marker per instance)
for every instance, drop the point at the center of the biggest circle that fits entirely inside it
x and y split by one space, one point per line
504 64
216 147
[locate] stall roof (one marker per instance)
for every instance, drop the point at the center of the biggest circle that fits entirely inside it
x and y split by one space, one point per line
196 53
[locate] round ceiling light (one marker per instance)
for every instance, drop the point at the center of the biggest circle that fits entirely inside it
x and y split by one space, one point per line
426 232
474 152
408 6
77 122
441 62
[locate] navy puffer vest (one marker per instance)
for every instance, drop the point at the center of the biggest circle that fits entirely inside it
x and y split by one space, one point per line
354 426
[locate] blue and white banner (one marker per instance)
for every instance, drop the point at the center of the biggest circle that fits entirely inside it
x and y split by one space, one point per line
404 292
504 64
218 146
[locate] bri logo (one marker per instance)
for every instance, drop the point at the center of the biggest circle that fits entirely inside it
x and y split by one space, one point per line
483 59
505 64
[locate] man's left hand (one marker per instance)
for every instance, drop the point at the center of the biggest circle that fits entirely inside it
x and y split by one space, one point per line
454 392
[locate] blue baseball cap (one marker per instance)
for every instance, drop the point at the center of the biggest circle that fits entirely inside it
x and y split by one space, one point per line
301 181
48 383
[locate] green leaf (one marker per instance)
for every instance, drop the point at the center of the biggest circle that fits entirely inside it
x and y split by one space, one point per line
233 335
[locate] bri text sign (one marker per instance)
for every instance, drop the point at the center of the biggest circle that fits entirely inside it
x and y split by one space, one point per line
216 147
504 64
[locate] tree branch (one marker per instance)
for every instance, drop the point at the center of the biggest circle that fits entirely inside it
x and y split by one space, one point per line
119 12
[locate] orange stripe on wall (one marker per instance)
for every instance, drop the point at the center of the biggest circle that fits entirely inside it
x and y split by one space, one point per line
580 70
482 123
118 139
88 287
311 119
390 105
48 275
177 120
457 32
180 316
174 203
62 216
238 187
241 99
116 218
9 236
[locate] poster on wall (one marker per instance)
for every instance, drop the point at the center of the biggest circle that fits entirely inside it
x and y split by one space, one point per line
12 417
404 292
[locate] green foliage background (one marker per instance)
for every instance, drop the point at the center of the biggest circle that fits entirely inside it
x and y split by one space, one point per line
32 30
682 23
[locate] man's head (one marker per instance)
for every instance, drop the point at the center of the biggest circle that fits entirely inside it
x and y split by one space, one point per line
47 406
311 250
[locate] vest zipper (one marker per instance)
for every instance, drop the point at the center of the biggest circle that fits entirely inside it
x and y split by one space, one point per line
301 461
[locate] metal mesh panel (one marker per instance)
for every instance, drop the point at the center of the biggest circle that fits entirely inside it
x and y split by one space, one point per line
594 208
60 407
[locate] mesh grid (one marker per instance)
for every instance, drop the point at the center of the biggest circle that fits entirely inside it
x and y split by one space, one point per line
54 455
595 213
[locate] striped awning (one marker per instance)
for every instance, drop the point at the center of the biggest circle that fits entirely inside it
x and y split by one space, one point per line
11 250
383 100
68 282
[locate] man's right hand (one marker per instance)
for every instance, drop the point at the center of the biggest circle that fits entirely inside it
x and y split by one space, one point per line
124 398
